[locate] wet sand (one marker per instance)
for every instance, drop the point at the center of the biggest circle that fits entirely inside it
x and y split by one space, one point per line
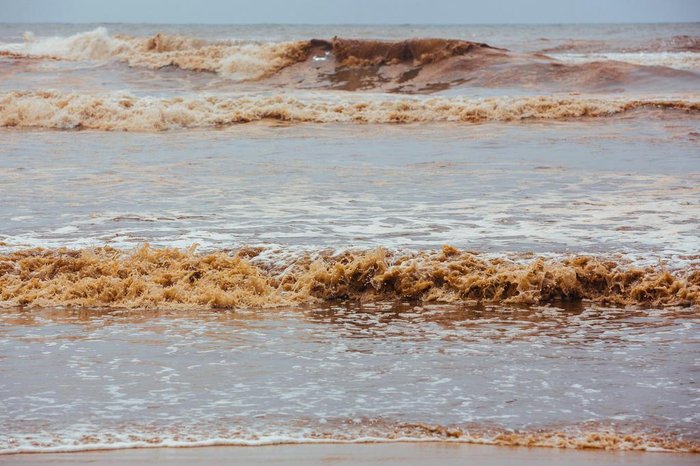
408 454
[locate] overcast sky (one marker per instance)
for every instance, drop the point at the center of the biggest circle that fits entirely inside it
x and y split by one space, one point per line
349 11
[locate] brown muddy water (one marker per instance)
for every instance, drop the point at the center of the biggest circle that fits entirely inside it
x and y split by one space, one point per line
257 235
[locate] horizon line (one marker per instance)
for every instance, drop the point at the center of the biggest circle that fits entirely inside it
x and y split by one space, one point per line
562 23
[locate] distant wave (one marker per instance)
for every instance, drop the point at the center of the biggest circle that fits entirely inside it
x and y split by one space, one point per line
120 112
175 278
677 43
677 60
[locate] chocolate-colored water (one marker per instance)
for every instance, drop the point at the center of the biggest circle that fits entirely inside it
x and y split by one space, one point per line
563 172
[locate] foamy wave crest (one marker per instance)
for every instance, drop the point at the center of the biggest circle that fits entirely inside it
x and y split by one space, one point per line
677 60
120 112
91 45
173 278
235 60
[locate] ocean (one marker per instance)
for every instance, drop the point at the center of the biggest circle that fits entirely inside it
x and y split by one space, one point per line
265 234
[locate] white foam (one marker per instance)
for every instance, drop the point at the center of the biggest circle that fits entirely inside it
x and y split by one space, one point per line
677 60
91 45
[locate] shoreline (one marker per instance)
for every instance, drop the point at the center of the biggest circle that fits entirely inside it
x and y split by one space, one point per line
409 453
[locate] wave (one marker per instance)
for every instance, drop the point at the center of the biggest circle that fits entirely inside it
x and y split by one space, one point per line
175 278
419 65
242 60
591 435
678 43
677 60
366 52
236 60
123 112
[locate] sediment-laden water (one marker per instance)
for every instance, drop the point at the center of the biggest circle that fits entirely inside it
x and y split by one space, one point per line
251 235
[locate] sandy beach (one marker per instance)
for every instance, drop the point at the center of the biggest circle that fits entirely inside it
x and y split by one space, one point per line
386 454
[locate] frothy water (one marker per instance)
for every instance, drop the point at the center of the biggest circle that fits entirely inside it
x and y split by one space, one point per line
547 189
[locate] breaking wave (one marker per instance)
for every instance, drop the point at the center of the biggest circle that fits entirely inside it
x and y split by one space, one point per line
236 60
121 112
241 60
418 65
365 431
175 278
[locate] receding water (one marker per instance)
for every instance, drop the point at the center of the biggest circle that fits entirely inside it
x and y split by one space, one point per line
343 371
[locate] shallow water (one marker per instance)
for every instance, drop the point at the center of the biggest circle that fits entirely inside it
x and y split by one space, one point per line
623 186
344 371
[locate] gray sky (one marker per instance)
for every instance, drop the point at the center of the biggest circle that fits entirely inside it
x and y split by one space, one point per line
349 11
